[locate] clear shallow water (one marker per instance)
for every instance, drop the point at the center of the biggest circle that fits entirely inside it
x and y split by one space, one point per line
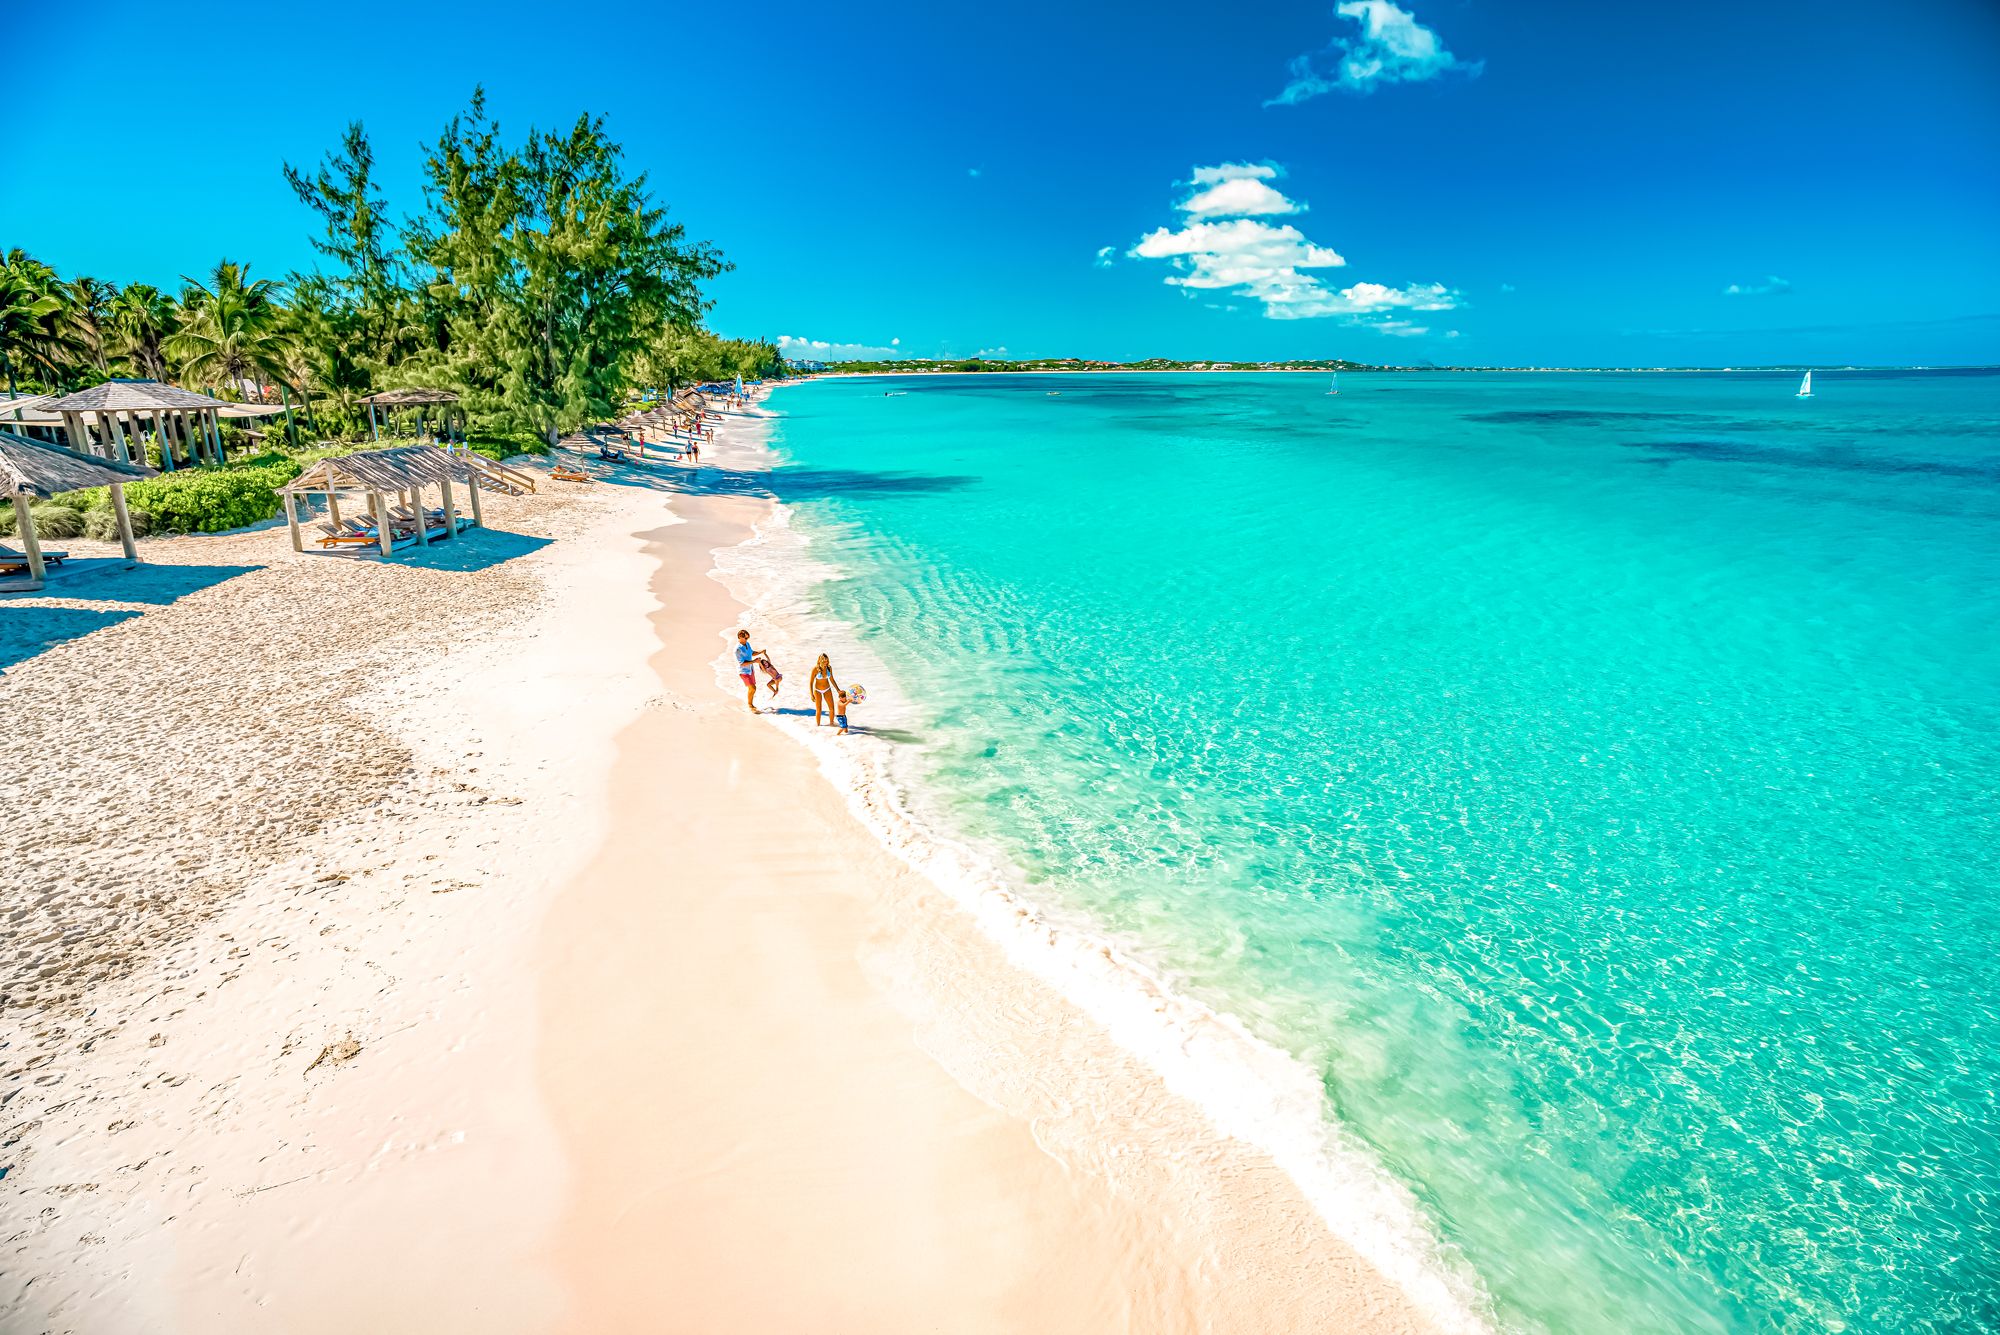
1592 778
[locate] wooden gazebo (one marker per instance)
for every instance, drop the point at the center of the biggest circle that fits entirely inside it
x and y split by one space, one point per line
392 481
419 399
125 412
32 470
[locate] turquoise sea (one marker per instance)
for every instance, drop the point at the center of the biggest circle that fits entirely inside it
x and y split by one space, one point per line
1593 779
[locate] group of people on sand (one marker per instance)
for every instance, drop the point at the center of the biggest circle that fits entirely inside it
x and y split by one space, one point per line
830 699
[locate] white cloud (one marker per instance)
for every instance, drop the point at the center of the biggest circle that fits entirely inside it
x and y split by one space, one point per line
1239 197
1506 287
1272 262
1104 256
1235 171
827 350
1392 48
1772 286
991 352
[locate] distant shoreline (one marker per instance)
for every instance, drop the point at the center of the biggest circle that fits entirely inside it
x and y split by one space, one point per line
1386 370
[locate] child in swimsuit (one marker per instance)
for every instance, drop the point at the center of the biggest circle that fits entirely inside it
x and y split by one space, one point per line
841 717
771 673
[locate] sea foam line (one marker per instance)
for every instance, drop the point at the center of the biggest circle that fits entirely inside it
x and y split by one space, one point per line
1249 1089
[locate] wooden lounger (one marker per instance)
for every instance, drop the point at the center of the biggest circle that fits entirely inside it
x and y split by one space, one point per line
347 533
12 560
564 473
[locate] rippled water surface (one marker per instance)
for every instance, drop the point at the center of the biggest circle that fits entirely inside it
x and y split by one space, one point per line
1593 778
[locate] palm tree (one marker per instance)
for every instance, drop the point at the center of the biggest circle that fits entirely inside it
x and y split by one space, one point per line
89 317
33 334
142 319
229 329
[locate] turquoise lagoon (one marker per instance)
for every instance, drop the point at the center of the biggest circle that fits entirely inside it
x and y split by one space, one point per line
1592 779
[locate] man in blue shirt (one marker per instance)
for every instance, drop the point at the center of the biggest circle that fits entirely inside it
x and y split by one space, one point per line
746 669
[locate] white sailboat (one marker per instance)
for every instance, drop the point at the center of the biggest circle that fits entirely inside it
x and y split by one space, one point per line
1336 385
1805 386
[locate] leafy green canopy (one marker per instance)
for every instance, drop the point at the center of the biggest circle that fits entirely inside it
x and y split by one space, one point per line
540 280
552 270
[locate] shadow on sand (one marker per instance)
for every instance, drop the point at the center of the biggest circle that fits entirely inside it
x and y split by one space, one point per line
29 629
474 549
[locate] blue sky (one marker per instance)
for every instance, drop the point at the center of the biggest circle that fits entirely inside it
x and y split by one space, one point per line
1575 183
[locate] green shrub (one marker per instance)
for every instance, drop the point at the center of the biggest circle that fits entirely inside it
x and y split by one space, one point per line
103 524
208 500
56 521
500 448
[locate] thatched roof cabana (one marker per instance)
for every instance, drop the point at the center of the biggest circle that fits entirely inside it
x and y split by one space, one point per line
32 470
409 398
393 480
178 415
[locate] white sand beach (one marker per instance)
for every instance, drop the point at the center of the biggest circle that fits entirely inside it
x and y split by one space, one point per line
434 945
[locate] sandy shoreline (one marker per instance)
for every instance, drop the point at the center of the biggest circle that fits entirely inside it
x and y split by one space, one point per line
588 1005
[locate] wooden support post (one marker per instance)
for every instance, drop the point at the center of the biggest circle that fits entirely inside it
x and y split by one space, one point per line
423 520
450 510
124 523
333 506
374 427
117 432
292 521
24 524
382 529
472 485
166 441
215 433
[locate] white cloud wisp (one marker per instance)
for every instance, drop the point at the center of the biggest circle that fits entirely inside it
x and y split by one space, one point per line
1772 286
1392 47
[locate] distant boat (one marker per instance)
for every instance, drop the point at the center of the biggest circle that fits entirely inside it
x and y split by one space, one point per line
1336 384
1805 386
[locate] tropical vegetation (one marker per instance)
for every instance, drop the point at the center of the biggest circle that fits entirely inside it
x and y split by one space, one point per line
539 279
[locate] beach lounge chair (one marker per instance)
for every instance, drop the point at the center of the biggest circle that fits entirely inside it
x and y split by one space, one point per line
348 531
564 473
11 560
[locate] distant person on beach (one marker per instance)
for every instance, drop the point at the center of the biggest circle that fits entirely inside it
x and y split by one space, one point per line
823 688
746 669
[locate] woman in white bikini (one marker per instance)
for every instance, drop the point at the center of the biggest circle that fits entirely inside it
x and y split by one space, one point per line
824 689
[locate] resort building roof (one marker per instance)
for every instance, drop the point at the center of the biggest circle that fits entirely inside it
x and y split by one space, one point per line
124 396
